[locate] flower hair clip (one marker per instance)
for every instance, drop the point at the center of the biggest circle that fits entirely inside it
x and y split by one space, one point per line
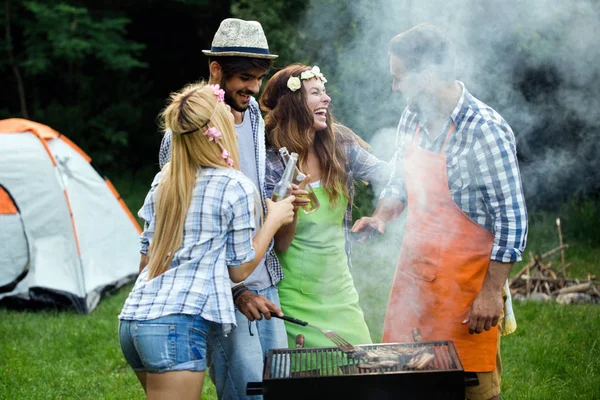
213 134
294 82
220 93
226 156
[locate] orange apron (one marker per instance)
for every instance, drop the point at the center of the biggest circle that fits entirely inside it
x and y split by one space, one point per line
443 260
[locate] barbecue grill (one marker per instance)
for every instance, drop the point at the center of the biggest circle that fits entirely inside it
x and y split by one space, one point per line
327 373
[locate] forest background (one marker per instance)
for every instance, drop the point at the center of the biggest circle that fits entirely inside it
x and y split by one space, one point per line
100 71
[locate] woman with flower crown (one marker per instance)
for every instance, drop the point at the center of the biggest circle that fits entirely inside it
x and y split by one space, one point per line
314 250
199 214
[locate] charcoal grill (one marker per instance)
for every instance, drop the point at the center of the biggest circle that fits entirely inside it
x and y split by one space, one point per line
327 373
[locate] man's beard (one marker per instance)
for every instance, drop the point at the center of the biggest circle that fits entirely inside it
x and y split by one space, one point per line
422 103
229 100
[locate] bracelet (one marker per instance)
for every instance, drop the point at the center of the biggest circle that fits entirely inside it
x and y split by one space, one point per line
237 291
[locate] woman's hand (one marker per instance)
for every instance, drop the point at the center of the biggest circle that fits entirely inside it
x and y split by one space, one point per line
281 212
300 193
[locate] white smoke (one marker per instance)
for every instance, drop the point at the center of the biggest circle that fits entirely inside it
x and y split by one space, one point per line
536 62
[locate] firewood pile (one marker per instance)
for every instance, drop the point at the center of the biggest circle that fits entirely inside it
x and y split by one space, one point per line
539 280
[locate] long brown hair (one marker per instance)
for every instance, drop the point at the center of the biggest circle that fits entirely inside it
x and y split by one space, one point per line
186 115
289 122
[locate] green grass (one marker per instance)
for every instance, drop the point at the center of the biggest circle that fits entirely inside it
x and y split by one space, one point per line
63 355
554 354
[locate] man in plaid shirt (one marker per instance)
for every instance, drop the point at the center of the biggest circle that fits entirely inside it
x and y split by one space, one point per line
238 61
456 170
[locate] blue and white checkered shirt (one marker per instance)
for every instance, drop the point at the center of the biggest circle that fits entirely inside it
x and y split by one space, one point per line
360 165
217 234
483 171
258 132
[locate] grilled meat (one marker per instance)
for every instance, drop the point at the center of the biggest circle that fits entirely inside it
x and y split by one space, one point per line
420 361
392 357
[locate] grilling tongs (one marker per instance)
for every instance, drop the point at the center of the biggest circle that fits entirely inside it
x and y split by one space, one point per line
339 341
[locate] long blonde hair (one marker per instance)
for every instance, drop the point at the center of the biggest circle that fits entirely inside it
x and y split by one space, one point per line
189 113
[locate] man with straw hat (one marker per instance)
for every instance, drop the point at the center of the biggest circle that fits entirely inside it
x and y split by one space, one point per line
239 59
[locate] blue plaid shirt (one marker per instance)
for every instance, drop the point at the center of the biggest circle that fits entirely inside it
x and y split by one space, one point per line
482 168
217 234
258 131
360 165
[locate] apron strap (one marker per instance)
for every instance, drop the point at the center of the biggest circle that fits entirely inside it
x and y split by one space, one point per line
415 140
451 129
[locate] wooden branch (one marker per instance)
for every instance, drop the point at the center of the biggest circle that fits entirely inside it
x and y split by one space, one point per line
528 283
534 260
553 251
560 243
551 280
547 287
548 269
583 287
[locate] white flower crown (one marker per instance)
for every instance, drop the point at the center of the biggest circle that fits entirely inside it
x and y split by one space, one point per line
294 82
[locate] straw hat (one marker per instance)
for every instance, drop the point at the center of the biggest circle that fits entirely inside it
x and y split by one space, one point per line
236 37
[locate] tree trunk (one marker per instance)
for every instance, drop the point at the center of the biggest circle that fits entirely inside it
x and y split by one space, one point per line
13 62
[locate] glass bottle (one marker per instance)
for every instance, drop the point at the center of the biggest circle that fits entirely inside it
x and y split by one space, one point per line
283 188
297 179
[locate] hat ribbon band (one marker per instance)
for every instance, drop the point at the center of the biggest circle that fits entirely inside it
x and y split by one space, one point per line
253 50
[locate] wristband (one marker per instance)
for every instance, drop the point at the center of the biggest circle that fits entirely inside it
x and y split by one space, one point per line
237 291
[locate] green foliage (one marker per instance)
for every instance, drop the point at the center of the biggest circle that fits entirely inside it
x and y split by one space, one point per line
363 201
76 66
280 20
579 222
60 33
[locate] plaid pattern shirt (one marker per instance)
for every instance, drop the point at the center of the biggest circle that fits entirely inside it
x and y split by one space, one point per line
217 234
482 168
360 165
258 132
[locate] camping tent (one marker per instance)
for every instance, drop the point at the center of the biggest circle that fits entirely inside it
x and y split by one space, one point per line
66 237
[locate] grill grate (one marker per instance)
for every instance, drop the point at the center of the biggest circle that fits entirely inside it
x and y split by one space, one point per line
330 361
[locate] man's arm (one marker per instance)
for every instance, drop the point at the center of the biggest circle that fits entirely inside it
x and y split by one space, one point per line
143 262
253 306
390 205
488 304
499 179
392 199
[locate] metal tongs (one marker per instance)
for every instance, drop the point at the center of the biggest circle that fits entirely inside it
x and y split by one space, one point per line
339 341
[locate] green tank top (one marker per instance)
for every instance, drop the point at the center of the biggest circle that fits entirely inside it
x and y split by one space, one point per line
317 285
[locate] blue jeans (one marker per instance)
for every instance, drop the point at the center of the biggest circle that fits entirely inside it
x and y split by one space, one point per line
238 358
175 342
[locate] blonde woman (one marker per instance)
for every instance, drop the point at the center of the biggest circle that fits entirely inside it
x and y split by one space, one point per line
199 233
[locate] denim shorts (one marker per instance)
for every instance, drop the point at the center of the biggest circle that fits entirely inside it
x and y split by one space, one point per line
175 342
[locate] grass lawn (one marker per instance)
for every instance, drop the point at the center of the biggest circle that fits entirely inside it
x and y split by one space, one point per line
555 353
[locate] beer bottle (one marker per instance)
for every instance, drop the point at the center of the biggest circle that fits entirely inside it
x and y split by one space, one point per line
297 179
283 188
